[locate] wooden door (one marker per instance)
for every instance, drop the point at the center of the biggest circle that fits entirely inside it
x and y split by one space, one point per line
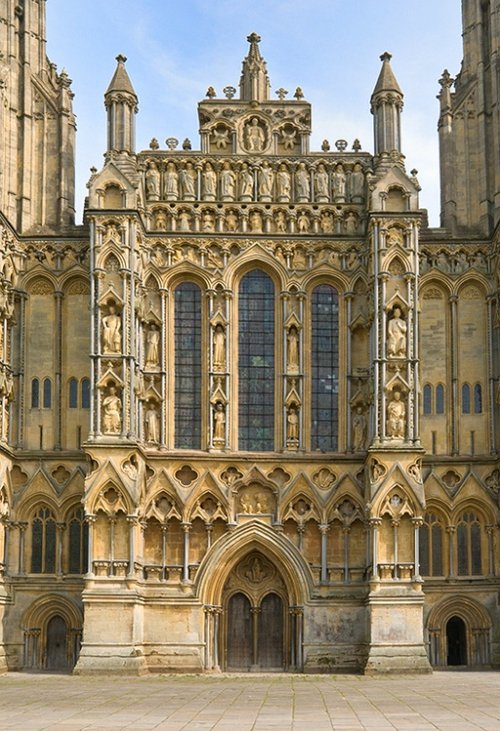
56 644
456 642
270 633
239 633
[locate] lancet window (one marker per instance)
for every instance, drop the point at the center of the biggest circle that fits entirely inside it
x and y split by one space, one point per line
187 366
43 542
325 368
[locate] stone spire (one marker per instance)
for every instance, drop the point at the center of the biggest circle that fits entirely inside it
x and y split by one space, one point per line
121 101
386 105
254 82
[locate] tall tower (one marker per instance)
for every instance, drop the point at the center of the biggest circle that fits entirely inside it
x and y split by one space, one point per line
469 126
37 125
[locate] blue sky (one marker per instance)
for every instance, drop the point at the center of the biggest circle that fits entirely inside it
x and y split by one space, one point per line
330 48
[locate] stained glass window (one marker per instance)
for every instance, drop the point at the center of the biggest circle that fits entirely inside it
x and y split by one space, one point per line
440 399
427 399
78 543
325 368
73 393
478 399
35 393
469 561
188 366
431 546
47 393
43 542
256 362
85 393
466 399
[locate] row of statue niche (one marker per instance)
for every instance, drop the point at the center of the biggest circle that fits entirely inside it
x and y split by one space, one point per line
257 222
263 182
395 424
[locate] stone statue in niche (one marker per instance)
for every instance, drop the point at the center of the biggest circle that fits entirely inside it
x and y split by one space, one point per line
292 425
151 423
321 185
280 222
161 221
339 184
396 416
152 182
283 183
357 184
351 223
227 182
188 181
302 183
184 221
255 138
303 223
112 412
396 335
219 351
255 573
111 331
265 181
326 223
231 221
171 183
293 349
207 222
246 183
256 222
219 423
288 138
152 347
359 430
209 180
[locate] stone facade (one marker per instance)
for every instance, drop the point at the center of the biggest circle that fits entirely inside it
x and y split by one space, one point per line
282 452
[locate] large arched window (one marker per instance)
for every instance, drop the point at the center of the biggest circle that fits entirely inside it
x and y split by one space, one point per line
188 366
256 362
78 543
431 546
325 368
43 542
469 561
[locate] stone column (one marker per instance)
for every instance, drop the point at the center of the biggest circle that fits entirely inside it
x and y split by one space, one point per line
186 527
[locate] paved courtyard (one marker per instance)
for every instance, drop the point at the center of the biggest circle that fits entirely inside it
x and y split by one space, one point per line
455 701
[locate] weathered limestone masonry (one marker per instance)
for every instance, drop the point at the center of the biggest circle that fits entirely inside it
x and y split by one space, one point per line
282 452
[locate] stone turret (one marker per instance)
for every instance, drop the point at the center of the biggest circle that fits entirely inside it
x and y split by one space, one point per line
254 82
386 105
121 101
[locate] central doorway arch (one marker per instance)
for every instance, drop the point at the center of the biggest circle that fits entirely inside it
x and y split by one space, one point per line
57 656
255 633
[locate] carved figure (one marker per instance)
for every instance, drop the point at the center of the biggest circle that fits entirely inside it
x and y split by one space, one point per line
265 180
303 185
219 422
321 184
256 222
111 408
171 182
207 222
161 221
326 223
396 335
351 223
283 183
280 222
188 180
339 184
221 138
219 348
231 221
303 223
227 182
184 221
288 138
359 428
152 347
357 184
255 572
151 423
111 331
209 179
246 183
255 137
292 420
293 349
396 416
152 182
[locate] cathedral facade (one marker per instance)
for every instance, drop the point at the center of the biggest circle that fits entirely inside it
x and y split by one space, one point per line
250 409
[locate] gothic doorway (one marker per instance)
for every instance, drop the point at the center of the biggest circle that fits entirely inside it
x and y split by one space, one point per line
255 631
456 642
56 647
